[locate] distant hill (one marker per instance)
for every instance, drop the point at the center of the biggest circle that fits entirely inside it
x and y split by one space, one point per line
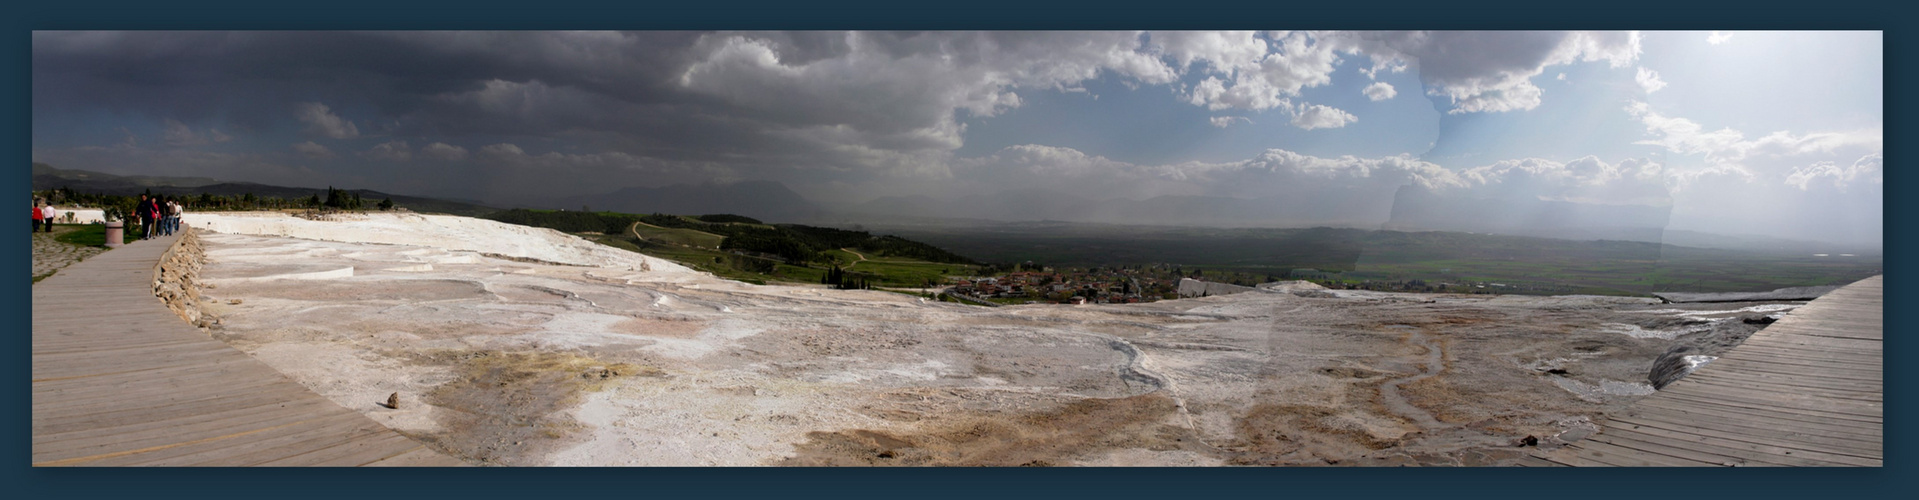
1417 209
1355 209
49 177
764 200
53 177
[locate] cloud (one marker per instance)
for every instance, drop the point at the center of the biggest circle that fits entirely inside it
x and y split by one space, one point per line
1487 71
1254 79
1279 172
1315 116
219 136
320 120
312 149
1719 37
502 150
900 92
396 151
174 133
1227 121
1866 167
1220 52
1727 151
444 151
1649 80
1379 91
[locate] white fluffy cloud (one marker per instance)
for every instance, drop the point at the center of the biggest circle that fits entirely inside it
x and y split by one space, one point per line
1227 121
1379 91
1718 37
389 151
1867 168
444 151
320 120
1728 152
1488 71
502 150
1252 77
312 149
1649 80
1316 116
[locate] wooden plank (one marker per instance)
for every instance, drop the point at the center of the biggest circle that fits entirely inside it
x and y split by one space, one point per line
1770 437
142 387
1627 457
1801 404
1687 457
1534 461
1758 452
423 456
1807 390
1806 387
277 441
1664 410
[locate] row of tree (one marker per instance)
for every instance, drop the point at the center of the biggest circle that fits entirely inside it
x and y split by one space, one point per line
840 279
120 205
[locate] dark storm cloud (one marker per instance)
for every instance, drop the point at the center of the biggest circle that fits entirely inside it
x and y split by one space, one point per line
765 105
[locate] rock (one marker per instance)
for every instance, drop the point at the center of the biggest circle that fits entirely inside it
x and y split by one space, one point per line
233 302
393 401
1529 440
1675 364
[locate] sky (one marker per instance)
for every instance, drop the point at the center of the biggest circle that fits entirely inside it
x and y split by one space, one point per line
1760 133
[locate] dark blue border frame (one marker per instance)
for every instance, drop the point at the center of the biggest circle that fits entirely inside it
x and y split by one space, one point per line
27 482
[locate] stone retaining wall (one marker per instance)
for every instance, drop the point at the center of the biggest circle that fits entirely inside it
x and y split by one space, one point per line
174 280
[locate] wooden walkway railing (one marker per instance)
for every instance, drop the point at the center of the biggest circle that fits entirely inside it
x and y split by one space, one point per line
119 379
1808 390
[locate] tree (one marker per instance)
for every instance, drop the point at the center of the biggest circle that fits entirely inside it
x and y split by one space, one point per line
386 204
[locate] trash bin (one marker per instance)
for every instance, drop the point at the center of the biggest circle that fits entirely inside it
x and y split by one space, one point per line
115 233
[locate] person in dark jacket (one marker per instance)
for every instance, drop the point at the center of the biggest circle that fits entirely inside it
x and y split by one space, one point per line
145 211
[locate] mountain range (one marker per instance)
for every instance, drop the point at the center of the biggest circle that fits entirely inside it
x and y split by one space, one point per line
1408 209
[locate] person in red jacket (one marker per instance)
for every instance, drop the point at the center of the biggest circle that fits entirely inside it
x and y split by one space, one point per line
37 214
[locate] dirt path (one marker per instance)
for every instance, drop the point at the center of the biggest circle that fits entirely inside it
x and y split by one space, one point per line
50 255
855 254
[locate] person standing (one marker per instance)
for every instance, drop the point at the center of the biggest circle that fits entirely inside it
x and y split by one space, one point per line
164 207
37 214
144 210
153 214
173 215
47 212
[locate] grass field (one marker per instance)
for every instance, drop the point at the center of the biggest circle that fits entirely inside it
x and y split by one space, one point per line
1352 256
86 235
893 272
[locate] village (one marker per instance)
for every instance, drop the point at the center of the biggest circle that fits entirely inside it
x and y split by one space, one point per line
1139 284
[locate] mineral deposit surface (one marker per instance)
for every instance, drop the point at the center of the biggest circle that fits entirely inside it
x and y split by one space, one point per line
521 346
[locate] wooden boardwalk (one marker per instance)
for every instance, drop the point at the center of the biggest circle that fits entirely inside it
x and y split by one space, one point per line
118 379
1806 391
